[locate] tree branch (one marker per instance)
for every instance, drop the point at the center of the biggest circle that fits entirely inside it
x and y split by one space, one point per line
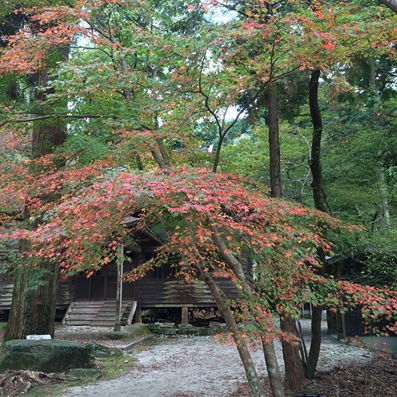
52 116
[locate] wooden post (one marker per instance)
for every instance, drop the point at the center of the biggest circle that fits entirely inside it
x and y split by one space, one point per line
344 326
184 317
138 316
119 294
132 312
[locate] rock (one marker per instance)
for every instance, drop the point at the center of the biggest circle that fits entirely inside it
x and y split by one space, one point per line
45 355
164 325
184 326
216 325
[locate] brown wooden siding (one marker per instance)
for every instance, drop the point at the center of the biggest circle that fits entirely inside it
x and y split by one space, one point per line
163 293
65 294
159 289
6 288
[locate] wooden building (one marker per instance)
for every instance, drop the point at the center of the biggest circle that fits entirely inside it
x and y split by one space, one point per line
159 296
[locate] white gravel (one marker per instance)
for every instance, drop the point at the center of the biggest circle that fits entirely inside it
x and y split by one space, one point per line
200 366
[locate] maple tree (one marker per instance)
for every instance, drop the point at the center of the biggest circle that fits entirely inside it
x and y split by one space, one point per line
332 41
220 230
140 77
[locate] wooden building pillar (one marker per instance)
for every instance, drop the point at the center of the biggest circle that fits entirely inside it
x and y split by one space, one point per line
184 317
119 293
138 316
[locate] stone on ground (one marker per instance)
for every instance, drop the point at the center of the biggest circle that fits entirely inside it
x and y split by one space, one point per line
45 355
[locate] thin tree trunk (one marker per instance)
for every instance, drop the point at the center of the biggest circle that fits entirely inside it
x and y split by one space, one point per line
315 344
242 347
217 155
320 204
272 367
268 345
274 146
315 161
227 313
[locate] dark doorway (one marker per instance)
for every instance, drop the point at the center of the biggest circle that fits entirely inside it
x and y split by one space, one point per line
102 286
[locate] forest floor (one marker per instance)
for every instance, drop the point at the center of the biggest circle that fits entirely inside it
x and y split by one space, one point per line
376 377
203 367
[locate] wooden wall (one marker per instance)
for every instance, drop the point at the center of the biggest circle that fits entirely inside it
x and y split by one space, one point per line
65 294
169 292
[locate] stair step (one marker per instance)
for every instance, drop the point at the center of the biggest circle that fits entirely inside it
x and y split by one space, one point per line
79 322
101 314
102 323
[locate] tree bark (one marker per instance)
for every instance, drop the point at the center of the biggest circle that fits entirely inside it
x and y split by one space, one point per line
292 361
221 300
274 146
315 344
320 204
33 309
272 367
268 345
392 4
35 292
46 135
315 161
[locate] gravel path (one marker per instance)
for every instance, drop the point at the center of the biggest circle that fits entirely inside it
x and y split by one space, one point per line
199 367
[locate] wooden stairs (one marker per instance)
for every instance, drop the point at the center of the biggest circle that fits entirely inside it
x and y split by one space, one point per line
98 313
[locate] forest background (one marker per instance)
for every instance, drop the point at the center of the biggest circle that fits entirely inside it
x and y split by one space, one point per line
168 110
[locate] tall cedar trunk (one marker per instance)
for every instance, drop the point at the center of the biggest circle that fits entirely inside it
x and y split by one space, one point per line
46 134
33 309
243 350
319 202
292 361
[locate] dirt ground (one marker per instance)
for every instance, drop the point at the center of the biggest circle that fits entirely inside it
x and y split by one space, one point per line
202 367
